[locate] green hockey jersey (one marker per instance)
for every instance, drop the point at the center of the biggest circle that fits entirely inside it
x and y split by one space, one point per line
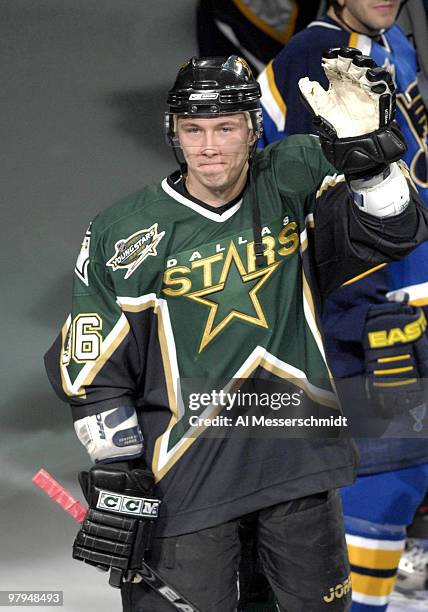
167 291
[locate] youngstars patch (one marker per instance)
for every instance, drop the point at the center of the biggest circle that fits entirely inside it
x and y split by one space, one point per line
132 251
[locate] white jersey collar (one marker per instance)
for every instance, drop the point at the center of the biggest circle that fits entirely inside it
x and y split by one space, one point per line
200 209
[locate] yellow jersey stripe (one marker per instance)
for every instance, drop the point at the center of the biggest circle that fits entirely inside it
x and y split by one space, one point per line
393 371
419 302
405 381
371 585
357 278
389 359
274 89
353 40
374 559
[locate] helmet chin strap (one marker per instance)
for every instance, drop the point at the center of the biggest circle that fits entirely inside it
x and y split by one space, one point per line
255 211
257 223
181 164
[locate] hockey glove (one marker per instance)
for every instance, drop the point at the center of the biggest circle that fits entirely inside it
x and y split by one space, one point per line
355 116
396 352
116 531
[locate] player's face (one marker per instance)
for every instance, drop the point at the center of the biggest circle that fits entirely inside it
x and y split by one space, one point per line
215 149
370 16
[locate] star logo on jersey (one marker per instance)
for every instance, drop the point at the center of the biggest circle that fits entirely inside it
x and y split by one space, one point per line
132 251
234 297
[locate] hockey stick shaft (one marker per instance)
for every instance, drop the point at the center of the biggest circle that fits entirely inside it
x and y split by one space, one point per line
72 506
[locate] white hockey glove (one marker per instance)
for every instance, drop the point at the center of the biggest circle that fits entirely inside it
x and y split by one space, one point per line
354 117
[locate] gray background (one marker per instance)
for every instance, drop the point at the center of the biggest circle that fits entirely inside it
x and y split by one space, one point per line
82 95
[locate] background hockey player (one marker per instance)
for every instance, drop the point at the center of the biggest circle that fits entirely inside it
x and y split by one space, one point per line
216 273
253 29
379 506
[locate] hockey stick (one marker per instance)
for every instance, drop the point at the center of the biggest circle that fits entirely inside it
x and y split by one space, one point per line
72 506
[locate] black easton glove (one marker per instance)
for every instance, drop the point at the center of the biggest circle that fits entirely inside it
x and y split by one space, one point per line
396 353
117 529
355 116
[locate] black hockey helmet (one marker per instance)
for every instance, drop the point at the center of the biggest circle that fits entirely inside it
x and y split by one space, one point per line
212 86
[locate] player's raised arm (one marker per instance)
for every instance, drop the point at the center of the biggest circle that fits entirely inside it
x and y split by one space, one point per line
360 138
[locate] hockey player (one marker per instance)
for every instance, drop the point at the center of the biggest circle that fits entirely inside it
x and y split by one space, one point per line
393 472
216 273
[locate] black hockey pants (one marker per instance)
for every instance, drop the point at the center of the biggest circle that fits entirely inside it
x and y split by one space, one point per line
301 545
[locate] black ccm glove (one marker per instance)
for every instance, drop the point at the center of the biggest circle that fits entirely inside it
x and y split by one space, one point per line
396 354
117 529
354 118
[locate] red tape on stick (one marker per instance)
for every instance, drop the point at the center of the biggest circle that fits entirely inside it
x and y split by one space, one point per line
51 487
